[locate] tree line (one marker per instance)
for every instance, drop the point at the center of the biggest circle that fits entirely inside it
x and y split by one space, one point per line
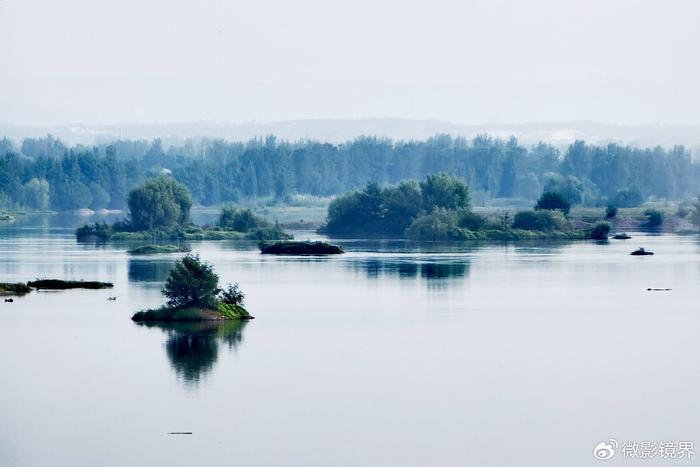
44 173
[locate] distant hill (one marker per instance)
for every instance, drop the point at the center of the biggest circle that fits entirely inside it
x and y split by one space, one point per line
339 130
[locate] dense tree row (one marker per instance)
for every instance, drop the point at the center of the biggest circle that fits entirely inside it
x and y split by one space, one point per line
43 172
438 208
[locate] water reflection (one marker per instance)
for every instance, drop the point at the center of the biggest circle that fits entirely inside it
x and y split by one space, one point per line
193 347
149 270
410 268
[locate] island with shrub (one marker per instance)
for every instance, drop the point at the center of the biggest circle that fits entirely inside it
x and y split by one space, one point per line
159 210
439 209
19 289
193 294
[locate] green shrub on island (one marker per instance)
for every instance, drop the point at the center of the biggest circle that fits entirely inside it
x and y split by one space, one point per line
97 230
439 224
161 202
569 187
610 212
551 200
232 311
438 209
193 294
542 220
376 211
628 198
654 218
240 220
600 231
16 289
253 227
191 282
471 221
444 225
234 224
443 191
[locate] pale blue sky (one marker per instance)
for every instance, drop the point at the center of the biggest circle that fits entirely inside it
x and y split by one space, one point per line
95 61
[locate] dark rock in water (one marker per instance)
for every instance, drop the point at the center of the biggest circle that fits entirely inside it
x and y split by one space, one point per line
9 300
621 236
57 284
641 252
299 248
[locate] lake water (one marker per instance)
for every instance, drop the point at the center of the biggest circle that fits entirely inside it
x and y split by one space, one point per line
390 355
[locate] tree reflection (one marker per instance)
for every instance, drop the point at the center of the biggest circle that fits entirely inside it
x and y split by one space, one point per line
149 270
193 347
410 268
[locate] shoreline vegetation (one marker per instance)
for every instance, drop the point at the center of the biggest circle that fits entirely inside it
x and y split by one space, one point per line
193 294
439 209
43 173
305 248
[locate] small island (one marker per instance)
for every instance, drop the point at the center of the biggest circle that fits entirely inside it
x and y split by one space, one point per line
438 209
17 289
57 284
159 210
158 249
306 248
193 294
641 252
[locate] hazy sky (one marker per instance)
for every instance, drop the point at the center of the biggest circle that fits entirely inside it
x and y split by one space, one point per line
100 61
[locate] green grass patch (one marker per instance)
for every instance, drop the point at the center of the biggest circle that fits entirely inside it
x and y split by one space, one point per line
157 249
220 311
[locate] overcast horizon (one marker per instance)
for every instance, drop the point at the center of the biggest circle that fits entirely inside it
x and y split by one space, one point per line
80 61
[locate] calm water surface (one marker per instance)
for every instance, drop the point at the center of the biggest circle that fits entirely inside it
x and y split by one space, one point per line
390 355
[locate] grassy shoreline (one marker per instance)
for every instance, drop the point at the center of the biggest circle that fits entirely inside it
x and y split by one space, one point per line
219 312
